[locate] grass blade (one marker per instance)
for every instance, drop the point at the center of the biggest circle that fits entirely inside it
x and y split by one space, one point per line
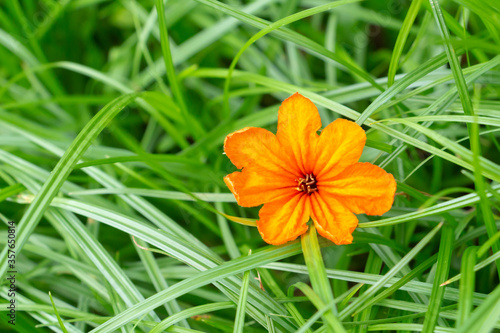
467 282
239 320
316 266
443 267
62 170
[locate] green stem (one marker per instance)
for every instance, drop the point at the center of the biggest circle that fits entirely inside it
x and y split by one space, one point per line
316 266
319 279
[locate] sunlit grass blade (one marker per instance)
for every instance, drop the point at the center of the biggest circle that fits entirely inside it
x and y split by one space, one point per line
268 279
157 278
398 285
477 267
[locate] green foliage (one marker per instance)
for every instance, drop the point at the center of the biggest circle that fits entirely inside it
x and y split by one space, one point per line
112 120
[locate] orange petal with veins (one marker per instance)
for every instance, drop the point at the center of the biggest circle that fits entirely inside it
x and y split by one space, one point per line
285 219
267 175
363 188
259 149
333 220
253 189
298 122
340 145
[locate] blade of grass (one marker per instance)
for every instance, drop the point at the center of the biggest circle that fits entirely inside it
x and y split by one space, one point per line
63 328
443 267
401 40
239 319
449 205
392 272
62 170
334 325
273 26
157 278
316 266
467 285
268 279
485 316
296 38
473 128
11 190
189 313
189 122
175 195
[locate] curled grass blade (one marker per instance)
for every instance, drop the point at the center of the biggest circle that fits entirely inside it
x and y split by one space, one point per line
273 26
401 40
294 37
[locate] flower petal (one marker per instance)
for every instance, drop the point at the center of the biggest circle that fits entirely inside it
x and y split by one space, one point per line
285 219
255 188
298 122
259 149
268 173
340 145
332 219
363 188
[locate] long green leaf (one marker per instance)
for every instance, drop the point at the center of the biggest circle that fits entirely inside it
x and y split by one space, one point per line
467 284
62 170
441 274
239 320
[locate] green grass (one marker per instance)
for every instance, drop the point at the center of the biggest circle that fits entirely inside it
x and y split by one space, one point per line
112 120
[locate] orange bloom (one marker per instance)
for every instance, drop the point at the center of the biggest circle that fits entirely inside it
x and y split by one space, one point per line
298 174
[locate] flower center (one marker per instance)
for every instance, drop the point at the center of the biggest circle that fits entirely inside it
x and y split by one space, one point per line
307 184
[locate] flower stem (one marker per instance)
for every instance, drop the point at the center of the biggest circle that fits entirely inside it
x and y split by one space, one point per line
317 274
316 267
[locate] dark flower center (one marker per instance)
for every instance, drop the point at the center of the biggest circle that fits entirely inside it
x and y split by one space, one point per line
307 184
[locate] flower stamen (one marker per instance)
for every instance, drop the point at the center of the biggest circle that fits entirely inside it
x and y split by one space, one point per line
307 184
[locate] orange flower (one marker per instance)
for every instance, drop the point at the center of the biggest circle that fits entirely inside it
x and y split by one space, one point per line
298 174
